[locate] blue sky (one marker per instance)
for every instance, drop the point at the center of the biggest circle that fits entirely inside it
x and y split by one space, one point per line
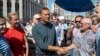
50 3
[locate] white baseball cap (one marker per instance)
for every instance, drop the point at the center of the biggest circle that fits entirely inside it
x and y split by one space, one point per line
36 16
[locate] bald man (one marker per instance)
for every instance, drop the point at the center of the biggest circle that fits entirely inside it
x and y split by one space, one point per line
85 41
86 24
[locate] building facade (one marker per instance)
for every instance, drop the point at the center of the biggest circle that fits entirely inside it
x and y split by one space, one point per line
25 8
56 9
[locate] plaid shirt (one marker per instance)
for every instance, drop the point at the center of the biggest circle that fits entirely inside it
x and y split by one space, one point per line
4 47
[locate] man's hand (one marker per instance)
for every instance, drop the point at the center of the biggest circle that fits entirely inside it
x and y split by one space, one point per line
61 51
71 46
68 48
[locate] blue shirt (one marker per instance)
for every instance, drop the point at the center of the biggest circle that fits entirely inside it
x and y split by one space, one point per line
4 47
98 42
44 35
65 26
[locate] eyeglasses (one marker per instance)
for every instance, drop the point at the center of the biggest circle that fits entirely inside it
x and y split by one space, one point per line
77 21
38 18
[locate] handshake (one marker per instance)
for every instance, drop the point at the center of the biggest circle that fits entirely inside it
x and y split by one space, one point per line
64 50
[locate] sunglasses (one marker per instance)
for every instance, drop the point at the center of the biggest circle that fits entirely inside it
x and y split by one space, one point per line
77 21
38 18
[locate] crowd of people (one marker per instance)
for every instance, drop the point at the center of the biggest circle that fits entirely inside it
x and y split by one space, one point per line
46 35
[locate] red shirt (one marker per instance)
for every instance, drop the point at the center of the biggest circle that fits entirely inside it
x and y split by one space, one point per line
15 37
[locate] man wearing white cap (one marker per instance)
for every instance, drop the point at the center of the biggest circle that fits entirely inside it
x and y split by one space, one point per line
35 20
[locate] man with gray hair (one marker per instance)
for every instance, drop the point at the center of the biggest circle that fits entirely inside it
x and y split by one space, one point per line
85 41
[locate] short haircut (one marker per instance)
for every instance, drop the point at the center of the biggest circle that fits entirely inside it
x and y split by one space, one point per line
11 14
43 8
79 16
95 17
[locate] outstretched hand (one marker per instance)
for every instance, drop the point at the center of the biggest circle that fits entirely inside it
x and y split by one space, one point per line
64 50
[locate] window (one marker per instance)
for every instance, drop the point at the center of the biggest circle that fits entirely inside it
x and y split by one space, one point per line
1 7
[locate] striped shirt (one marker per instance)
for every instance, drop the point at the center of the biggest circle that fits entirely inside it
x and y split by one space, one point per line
4 47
